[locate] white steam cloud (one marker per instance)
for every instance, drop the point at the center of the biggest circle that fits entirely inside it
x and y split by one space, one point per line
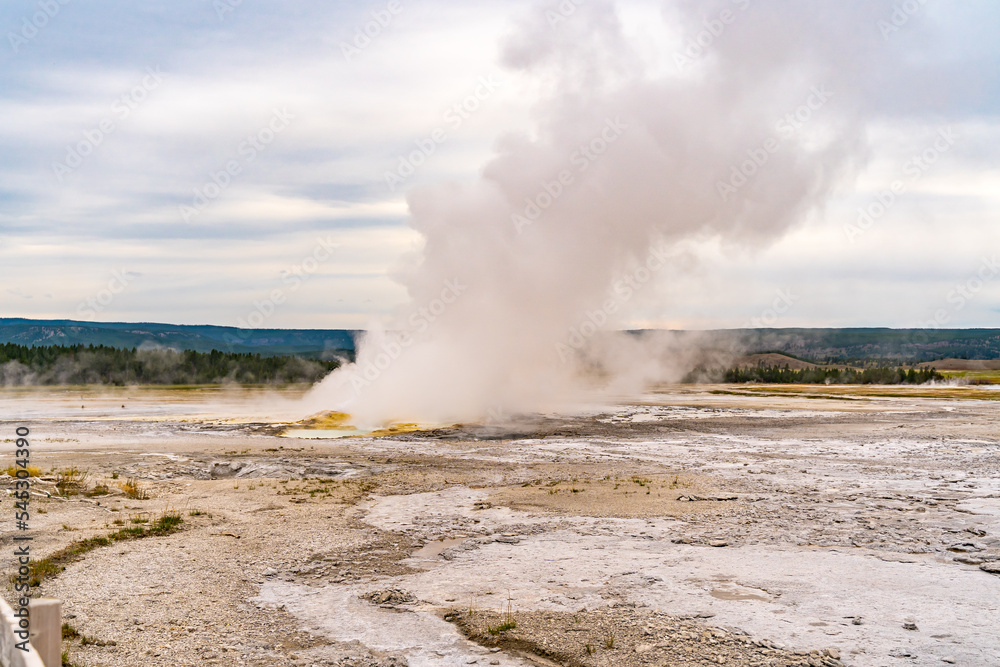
757 115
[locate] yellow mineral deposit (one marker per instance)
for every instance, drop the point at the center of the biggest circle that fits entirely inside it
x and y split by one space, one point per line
332 424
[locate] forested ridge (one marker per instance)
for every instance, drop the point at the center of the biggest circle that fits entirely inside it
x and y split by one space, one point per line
875 375
100 364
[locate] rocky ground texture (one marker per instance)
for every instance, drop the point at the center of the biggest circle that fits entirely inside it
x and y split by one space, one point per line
682 528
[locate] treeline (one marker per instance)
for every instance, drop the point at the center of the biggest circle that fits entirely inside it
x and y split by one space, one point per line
875 375
99 364
859 347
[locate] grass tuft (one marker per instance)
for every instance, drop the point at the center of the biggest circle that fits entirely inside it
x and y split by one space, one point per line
133 489
508 622
166 524
98 490
33 471
503 627
71 482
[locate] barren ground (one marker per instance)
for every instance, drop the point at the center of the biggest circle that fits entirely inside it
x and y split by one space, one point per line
684 527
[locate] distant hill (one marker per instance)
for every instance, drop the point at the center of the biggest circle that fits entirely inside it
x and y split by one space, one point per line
822 346
24 366
963 364
315 343
845 346
773 359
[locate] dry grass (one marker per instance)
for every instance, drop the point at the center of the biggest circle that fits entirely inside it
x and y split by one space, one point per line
133 489
97 490
861 391
71 482
33 471
984 377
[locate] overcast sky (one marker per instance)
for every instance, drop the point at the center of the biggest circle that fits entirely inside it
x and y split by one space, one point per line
200 161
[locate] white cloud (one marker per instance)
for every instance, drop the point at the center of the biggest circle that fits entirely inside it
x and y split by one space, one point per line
355 119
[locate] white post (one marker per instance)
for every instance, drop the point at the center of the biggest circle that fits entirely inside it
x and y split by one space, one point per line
45 630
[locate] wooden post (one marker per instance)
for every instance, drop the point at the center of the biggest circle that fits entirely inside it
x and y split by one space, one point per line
45 630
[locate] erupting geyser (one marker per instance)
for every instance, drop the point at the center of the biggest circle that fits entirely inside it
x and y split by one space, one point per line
742 124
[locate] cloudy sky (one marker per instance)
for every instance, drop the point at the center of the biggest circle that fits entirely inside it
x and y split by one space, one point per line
227 162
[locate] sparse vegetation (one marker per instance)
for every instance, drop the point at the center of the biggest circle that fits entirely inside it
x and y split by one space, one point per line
502 627
133 489
69 634
71 482
167 523
97 490
507 620
33 471
52 565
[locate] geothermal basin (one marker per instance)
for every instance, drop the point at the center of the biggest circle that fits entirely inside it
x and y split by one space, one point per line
691 525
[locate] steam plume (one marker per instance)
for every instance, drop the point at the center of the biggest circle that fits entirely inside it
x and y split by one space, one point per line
738 138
